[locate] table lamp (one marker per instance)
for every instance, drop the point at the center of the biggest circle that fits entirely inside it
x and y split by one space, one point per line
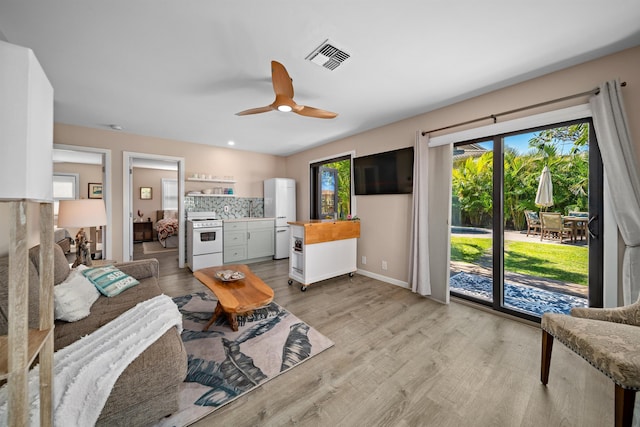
82 213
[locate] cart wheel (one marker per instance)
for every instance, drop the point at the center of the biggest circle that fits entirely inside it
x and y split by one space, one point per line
303 288
351 274
290 282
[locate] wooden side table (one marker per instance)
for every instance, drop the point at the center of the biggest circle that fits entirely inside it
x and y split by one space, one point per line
143 231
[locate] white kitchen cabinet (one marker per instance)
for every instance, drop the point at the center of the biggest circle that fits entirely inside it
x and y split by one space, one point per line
248 240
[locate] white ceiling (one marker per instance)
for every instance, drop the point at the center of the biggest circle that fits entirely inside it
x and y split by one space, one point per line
181 69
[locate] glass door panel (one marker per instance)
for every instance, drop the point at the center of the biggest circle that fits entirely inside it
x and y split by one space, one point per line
545 193
472 222
328 193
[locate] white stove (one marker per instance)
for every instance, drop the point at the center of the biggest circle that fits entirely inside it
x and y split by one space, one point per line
204 240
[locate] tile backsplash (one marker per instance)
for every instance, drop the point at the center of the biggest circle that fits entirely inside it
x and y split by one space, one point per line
238 206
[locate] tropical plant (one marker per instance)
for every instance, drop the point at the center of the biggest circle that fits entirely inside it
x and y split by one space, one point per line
344 185
472 178
472 184
569 168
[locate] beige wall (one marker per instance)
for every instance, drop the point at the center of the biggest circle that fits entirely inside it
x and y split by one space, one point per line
88 174
149 178
249 169
385 218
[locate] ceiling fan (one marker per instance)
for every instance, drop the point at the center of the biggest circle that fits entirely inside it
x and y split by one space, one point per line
283 87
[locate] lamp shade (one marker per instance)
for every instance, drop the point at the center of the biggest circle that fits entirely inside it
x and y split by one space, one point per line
81 213
26 126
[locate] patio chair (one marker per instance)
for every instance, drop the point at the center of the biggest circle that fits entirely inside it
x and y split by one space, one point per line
533 222
609 339
553 227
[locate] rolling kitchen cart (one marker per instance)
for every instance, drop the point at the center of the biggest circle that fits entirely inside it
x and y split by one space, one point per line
322 249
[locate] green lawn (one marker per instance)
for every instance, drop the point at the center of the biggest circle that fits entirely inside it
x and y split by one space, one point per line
468 249
565 263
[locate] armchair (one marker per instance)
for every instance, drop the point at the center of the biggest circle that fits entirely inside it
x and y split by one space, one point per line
609 339
533 222
552 226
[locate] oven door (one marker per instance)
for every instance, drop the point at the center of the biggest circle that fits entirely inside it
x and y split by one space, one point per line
207 240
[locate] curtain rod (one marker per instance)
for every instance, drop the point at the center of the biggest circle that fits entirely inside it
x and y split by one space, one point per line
517 110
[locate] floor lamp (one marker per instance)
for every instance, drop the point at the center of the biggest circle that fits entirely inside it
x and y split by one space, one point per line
82 213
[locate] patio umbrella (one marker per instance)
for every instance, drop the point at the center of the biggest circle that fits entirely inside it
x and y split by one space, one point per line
544 196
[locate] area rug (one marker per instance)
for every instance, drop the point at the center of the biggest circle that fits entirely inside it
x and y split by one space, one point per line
155 248
527 298
224 365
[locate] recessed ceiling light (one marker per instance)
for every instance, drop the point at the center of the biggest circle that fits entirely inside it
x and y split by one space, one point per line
115 127
231 143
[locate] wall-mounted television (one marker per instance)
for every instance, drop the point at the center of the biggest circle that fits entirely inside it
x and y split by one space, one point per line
390 172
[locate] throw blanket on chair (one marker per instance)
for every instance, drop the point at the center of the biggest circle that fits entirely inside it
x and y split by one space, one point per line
86 370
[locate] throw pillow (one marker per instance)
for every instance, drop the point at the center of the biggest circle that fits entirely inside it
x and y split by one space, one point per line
73 298
109 280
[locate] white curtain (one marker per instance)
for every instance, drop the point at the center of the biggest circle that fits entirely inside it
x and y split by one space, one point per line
620 163
430 219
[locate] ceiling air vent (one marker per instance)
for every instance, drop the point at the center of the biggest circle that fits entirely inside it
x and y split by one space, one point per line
327 55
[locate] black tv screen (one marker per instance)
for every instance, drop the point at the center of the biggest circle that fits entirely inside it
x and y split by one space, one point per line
390 172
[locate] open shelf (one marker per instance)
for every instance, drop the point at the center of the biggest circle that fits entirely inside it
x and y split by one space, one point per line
221 181
36 340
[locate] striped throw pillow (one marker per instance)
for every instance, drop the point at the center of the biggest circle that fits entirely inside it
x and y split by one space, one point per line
109 280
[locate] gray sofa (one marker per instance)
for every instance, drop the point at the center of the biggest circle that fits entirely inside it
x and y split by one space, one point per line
148 388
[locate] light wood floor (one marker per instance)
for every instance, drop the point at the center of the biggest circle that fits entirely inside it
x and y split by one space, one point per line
403 360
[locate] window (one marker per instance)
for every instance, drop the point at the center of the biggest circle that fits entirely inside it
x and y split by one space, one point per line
169 194
65 187
331 188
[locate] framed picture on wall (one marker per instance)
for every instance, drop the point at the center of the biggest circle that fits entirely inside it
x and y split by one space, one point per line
95 190
145 193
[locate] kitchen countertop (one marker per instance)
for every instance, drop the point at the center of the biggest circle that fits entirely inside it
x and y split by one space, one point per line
253 218
328 230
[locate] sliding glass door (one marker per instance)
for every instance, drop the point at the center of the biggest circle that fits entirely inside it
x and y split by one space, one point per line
525 220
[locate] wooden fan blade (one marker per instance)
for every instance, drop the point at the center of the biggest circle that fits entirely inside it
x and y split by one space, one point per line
303 110
255 110
282 84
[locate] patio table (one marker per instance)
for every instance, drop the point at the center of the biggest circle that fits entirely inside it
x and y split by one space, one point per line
576 223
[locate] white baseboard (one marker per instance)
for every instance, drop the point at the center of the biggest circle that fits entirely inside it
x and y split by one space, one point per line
384 278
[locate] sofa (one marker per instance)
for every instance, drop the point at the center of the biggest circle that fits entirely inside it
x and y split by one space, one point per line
148 388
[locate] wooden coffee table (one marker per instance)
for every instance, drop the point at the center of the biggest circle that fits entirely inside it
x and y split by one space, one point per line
237 297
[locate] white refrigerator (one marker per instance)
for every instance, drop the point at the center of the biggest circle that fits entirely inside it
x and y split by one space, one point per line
280 203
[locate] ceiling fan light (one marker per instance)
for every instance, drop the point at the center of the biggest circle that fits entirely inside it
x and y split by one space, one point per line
284 108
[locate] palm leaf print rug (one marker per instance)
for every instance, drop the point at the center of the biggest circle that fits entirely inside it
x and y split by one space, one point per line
223 364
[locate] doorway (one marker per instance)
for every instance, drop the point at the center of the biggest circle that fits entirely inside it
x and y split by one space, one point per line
90 164
514 251
131 162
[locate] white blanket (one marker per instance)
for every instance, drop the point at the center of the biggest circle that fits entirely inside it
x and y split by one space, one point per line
86 370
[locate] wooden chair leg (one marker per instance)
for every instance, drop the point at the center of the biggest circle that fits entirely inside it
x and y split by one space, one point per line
624 401
545 362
